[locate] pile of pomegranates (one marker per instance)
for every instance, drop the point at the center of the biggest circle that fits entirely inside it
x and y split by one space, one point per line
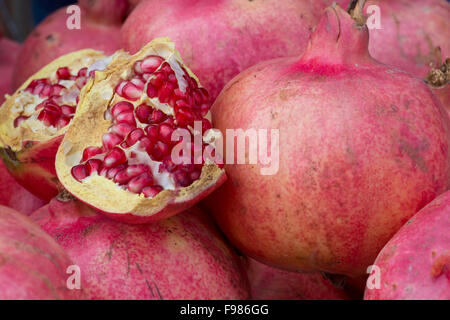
290 150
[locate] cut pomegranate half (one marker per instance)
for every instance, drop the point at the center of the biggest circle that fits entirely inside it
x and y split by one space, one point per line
123 156
34 119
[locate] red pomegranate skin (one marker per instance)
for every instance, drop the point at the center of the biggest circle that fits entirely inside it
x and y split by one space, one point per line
52 39
13 195
415 263
410 31
183 257
362 148
8 55
34 166
218 39
269 283
106 11
33 266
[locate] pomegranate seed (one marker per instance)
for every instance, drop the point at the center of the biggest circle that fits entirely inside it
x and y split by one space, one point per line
122 177
195 175
143 113
172 78
111 173
63 73
181 178
151 91
152 132
46 91
92 74
79 172
134 136
159 151
151 192
48 116
119 88
158 79
165 133
138 68
138 83
157 117
122 129
57 88
200 96
38 89
150 64
165 92
138 183
180 94
168 164
146 76
114 158
110 140
93 165
19 120
137 169
184 117
126 117
62 122
204 109
68 110
181 104
90 152
82 72
166 68
120 107
131 92
145 144
206 125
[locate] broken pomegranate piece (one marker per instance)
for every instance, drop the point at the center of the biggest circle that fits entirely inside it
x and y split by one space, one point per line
148 114
34 119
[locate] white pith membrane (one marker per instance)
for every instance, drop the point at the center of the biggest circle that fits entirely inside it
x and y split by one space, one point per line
123 166
46 103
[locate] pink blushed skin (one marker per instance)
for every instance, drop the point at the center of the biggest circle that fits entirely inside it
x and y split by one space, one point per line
32 265
362 148
415 263
269 283
218 39
183 257
8 55
52 39
14 195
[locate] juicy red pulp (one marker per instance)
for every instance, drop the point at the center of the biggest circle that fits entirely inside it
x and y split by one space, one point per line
138 129
53 110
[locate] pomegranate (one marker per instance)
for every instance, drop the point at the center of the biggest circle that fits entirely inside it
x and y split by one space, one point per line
33 266
8 54
13 195
130 165
362 147
105 11
183 257
409 34
34 119
269 283
219 39
52 38
415 263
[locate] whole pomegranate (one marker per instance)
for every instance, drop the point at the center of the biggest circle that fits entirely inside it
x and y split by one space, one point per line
219 39
183 257
8 55
13 195
52 38
411 35
33 266
415 263
34 119
361 148
106 11
267 283
122 154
